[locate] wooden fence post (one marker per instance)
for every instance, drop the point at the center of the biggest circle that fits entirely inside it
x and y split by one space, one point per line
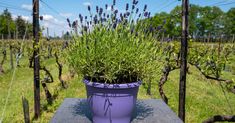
233 39
183 61
25 103
11 57
36 60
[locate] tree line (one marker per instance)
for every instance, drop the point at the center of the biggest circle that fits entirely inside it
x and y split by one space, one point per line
14 28
204 22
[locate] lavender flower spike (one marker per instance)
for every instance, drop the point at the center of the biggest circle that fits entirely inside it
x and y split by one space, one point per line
145 7
127 6
89 8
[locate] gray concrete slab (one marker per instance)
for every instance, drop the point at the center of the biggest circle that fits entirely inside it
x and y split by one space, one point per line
74 110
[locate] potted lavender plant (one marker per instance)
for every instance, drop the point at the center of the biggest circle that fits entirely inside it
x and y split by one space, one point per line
113 54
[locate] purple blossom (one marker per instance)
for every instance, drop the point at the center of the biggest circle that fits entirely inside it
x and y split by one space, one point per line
145 7
149 14
137 10
95 19
106 6
116 11
132 30
114 2
89 8
101 11
81 18
74 25
151 29
112 8
164 21
69 22
127 7
128 13
159 27
114 25
135 2
145 14
125 16
97 9
133 7
121 15
132 21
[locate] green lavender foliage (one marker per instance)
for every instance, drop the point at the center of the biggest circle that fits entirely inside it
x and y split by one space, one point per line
112 55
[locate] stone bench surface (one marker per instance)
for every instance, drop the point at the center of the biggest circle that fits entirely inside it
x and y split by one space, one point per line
74 110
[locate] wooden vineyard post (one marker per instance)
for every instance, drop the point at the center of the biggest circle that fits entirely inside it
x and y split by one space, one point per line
219 48
11 52
183 62
209 37
36 59
11 57
16 35
233 38
25 103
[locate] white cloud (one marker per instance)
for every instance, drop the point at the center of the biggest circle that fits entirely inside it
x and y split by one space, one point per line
109 8
87 4
55 25
26 6
48 17
52 22
66 14
27 18
14 17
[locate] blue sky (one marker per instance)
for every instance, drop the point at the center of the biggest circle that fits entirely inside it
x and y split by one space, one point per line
55 19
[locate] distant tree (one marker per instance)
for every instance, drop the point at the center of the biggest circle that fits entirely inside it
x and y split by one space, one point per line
230 21
203 21
211 21
194 19
29 30
21 26
175 19
6 22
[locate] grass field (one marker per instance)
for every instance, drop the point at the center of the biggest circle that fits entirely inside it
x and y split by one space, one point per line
205 98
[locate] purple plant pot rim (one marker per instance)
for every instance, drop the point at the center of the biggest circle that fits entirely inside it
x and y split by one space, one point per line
112 86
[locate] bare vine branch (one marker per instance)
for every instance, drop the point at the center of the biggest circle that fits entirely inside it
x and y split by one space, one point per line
220 118
207 76
60 67
163 80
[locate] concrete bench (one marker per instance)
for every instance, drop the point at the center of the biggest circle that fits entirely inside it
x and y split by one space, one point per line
74 110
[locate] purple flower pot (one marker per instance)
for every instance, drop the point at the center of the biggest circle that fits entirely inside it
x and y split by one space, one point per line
111 103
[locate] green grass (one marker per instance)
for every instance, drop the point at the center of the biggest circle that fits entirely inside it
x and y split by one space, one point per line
204 98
